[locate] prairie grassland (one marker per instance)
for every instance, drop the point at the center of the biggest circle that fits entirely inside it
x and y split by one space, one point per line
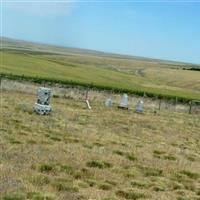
100 69
99 154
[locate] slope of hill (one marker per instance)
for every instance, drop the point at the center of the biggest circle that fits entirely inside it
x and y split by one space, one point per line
103 70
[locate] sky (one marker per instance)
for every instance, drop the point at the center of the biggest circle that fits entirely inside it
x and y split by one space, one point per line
156 29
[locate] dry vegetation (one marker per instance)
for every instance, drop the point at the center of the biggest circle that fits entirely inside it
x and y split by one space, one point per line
99 154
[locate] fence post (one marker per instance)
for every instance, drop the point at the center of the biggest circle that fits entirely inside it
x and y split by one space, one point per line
176 100
159 106
190 107
86 94
64 93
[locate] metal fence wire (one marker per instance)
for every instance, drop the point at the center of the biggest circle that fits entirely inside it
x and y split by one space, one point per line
80 94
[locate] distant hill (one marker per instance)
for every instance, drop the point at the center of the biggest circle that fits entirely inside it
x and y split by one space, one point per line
33 46
99 69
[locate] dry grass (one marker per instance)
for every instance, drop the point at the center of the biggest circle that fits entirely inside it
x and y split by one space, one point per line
102 154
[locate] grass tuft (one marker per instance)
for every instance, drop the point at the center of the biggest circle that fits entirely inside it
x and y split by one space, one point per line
105 186
45 168
131 157
64 185
67 169
39 180
130 194
14 196
169 157
190 174
140 184
98 164
38 196
152 172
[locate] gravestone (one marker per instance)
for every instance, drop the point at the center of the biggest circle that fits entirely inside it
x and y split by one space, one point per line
87 99
42 106
108 102
88 104
124 102
139 107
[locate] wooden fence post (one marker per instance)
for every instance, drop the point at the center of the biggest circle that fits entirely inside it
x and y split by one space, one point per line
86 94
1 83
175 103
190 107
159 107
144 95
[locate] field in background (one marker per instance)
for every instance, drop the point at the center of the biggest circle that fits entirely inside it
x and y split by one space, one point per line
99 154
102 70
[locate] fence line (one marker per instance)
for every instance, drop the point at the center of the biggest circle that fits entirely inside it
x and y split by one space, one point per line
82 94
79 84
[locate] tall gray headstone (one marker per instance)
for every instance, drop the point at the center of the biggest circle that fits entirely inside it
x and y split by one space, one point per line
42 106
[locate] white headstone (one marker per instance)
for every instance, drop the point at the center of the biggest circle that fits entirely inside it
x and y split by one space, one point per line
88 104
124 101
108 102
140 106
42 106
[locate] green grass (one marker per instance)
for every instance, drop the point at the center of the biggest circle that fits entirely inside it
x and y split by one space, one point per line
101 71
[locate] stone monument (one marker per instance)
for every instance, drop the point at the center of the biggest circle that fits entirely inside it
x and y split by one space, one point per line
42 106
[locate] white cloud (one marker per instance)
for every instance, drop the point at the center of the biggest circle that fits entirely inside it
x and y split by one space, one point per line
40 8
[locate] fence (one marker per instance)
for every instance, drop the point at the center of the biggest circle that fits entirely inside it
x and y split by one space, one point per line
81 93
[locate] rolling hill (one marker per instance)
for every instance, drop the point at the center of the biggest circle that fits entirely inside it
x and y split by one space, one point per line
99 69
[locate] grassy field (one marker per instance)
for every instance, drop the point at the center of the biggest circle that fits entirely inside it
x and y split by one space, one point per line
100 69
98 154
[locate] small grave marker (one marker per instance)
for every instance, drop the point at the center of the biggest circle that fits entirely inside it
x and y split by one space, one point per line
88 104
87 99
139 107
108 102
124 102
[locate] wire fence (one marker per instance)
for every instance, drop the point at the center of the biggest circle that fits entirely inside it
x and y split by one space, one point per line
81 94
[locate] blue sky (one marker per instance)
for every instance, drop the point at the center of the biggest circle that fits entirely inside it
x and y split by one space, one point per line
165 30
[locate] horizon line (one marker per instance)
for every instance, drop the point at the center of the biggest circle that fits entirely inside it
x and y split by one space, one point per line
98 51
